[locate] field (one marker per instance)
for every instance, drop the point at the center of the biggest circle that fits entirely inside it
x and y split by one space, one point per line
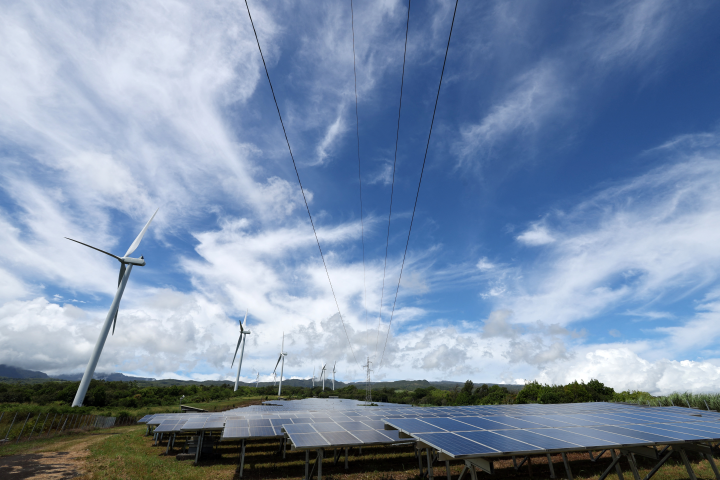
127 453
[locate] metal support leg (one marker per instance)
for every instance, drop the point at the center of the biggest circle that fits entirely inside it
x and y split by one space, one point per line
616 459
420 462
447 468
321 455
284 447
685 460
199 447
307 465
659 464
550 465
567 466
463 472
346 458
631 460
242 458
710 460
23 428
428 453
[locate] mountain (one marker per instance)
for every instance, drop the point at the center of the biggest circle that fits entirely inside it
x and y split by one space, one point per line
109 377
9 371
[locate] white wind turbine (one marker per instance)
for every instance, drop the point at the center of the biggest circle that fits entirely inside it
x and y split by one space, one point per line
334 375
243 334
322 375
281 358
112 314
257 379
313 379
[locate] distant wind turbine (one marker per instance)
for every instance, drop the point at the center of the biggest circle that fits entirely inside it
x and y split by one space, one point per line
281 358
334 375
313 379
243 334
257 379
112 314
322 375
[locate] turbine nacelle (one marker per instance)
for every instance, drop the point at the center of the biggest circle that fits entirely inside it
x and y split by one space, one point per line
140 262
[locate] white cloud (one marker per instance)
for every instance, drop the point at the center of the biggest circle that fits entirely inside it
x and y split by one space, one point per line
537 234
615 333
484 264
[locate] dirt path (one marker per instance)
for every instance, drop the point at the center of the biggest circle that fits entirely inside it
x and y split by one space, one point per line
61 460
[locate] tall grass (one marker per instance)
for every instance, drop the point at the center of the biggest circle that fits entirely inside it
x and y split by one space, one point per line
701 401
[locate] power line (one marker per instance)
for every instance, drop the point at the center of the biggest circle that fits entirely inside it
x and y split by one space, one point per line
392 187
422 170
302 190
357 133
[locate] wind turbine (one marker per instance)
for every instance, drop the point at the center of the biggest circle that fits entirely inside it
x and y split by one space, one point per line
257 379
243 334
112 314
313 379
334 375
322 374
281 358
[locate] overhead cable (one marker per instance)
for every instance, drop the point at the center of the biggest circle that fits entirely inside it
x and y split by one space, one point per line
302 190
357 133
392 186
422 170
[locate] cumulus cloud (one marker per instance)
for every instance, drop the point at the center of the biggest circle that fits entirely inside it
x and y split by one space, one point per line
537 234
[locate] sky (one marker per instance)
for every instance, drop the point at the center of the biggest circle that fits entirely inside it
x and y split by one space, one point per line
567 224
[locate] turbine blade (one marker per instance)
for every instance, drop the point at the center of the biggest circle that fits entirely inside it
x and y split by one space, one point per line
139 238
103 251
245 320
122 273
115 320
278 363
236 350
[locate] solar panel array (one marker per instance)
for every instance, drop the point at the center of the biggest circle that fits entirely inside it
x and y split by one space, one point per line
539 429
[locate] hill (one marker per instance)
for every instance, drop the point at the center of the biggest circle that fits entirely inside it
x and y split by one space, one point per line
9 371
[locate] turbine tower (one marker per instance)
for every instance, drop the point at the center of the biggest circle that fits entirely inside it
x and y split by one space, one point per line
322 375
281 358
257 379
313 379
334 375
243 334
112 314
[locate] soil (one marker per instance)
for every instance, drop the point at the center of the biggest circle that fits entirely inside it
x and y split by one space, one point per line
58 465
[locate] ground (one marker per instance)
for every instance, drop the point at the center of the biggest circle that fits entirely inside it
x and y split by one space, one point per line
126 453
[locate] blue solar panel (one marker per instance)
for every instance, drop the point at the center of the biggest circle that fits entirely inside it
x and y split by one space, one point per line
660 430
374 424
498 442
296 428
514 422
571 437
341 438
352 426
450 425
482 422
372 436
544 421
327 427
262 432
542 441
280 421
454 444
259 422
412 425
613 438
631 432
691 428
586 420
304 440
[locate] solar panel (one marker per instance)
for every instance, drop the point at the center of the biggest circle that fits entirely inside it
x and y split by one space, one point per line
328 427
304 440
630 432
483 423
612 438
453 444
450 424
498 442
536 438
372 436
412 425
262 432
341 438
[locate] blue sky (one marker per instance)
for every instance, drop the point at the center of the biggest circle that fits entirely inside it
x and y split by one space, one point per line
565 229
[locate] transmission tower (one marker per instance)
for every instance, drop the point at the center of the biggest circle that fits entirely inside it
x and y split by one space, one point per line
368 383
